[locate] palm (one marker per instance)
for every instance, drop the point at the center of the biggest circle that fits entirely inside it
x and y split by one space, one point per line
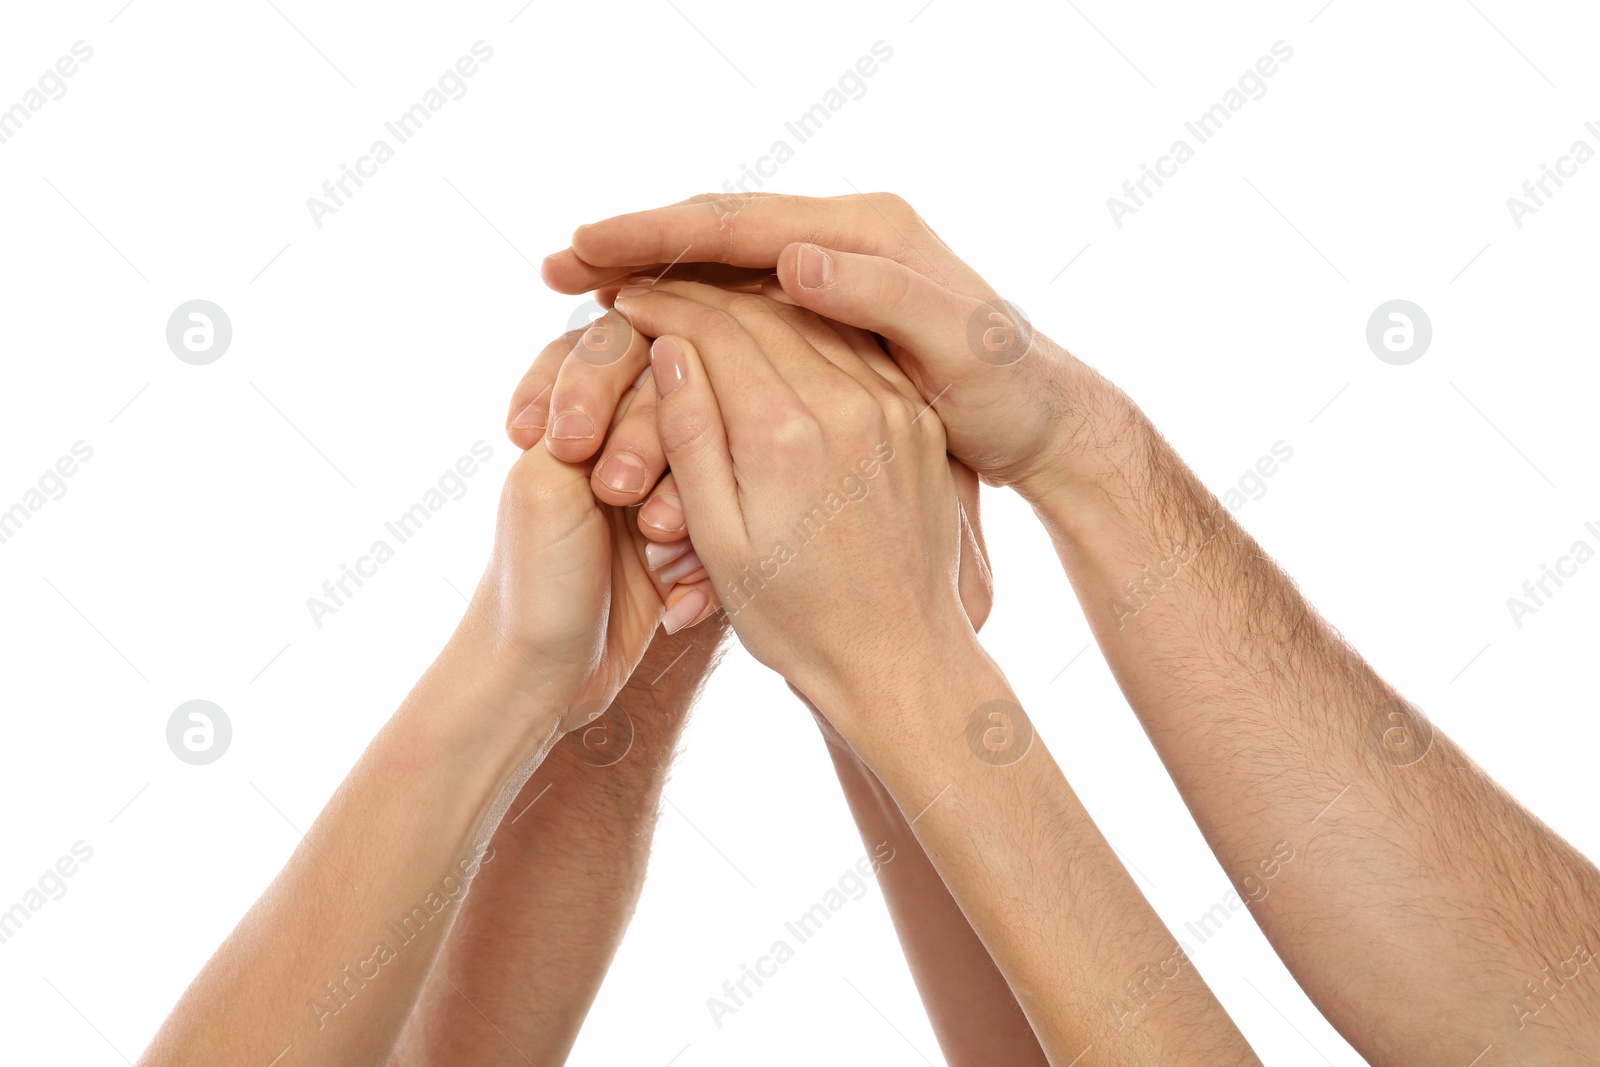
571 585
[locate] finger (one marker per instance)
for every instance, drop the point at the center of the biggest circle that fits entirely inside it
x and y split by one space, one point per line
690 605
736 367
690 422
967 490
751 232
530 400
631 461
850 349
719 274
782 347
685 570
946 329
661 519
658 554
605 361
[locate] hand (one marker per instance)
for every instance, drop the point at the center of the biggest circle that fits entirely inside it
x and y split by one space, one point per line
593 378
567 593
975 582
1012 401
815 483
579 373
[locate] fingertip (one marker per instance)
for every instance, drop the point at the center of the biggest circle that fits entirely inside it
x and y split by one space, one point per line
571 448
563 271
690 607
621 478
662 518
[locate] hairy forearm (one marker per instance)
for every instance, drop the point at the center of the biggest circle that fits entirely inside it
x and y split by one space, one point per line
327 962
1041 887
1416 889
526 958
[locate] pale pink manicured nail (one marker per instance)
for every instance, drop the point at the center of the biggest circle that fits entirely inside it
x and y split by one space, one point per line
639 381
666 359
681 567
685 611
658 556
631 291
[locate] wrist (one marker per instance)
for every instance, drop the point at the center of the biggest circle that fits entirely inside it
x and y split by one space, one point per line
496 692
910 699
1098 444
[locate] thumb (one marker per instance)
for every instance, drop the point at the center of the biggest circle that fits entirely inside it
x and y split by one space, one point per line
944 331
689 422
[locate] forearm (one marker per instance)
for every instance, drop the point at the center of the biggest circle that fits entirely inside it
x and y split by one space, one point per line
330 958
1415 887
558 887
972 1010
1039 885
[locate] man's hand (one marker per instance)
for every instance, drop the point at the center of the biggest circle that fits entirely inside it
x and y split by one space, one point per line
1013 402
799 467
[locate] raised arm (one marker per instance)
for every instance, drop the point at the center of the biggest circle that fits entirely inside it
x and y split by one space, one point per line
973 1012
1426 913
327 963
797 471
524 961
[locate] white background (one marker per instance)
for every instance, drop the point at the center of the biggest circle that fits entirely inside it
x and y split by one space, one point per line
370 353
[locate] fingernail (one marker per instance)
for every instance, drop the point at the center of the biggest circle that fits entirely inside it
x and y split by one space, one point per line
532 416
632 291
528 418
685 611
680 568
815 267
666 359
664 513
624 472
657 556
571 426
638 383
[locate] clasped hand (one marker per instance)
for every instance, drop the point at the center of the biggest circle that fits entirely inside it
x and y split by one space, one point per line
826 517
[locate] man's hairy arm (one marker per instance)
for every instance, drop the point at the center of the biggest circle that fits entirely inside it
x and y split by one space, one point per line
525 959
1427 913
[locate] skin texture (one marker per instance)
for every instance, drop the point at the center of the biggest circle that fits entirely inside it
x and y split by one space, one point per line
511 980
524 961
536 979
559 622
1430 917
761 429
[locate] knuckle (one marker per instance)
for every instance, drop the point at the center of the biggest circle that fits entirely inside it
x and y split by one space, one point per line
686 434
793 430
714 324
748 305
892 204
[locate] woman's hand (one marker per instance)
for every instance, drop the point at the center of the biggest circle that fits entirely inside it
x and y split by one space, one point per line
594 377
568 595
815 483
